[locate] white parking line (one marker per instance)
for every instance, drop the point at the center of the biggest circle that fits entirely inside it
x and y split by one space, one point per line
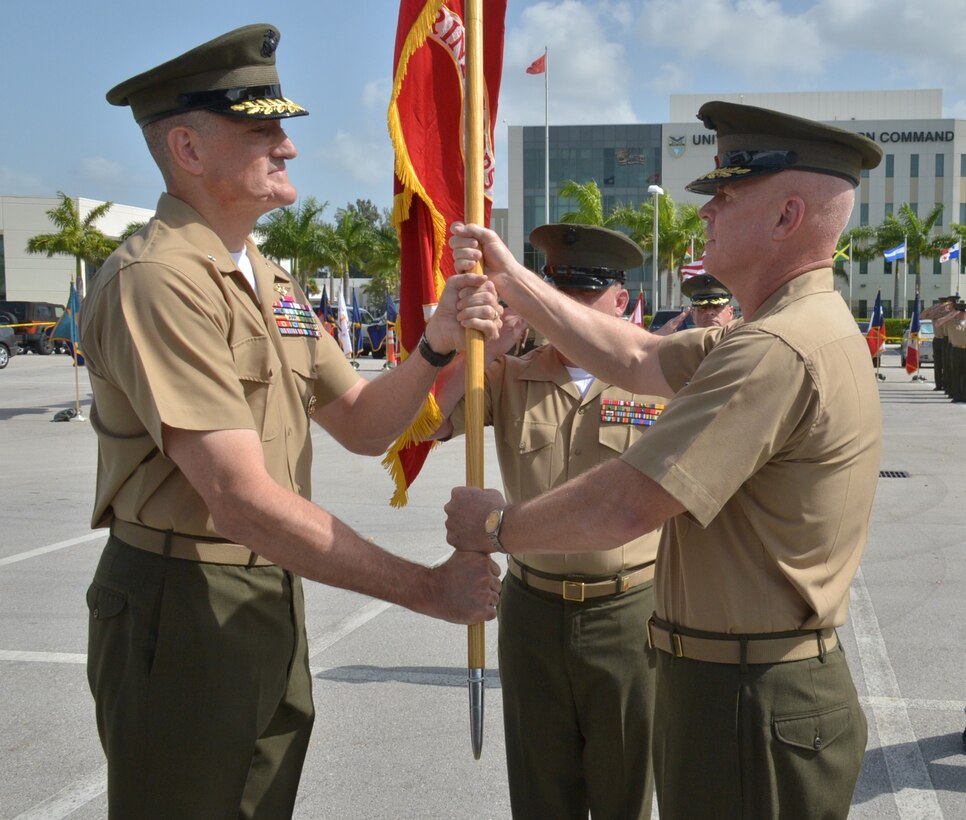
69 799
24 556
912 789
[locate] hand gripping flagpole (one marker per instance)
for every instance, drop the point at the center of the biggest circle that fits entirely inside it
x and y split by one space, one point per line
474 209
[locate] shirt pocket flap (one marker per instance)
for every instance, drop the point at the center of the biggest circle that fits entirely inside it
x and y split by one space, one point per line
616 437
103 602
531 436
813 731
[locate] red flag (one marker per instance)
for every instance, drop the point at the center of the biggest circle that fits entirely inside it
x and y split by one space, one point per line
912 351
425 118
538 66
637 317
876 335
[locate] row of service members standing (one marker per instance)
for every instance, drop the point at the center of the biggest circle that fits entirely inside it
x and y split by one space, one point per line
949 345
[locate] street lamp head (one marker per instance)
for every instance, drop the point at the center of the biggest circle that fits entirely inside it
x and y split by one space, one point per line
655 189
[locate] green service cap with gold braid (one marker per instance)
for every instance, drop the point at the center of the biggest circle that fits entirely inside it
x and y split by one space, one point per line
704 290
232 75
755 141
585 257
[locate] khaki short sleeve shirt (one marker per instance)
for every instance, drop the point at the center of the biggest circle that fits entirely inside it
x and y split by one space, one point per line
546 434
772 445
173 335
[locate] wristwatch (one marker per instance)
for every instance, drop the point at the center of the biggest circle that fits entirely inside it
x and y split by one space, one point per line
492 525
431 356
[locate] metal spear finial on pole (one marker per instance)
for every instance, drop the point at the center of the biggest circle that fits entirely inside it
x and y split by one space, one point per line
474 209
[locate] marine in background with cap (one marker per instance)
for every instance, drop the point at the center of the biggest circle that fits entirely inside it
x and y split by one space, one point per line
710 301
576 675
756 714
207 366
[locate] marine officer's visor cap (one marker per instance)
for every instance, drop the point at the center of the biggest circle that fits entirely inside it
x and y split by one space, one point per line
705 291
756 141
585 257
233 75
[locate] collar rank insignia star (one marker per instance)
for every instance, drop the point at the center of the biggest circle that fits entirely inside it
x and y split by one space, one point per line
619 411
294 318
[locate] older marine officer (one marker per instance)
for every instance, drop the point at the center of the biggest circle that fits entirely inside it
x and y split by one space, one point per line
207 366
756 713
577 677
710 301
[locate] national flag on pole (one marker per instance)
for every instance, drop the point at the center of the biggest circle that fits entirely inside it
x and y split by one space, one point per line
343 324
692 269
912 350
842 254
356 323
391 312
895 254
425 121
538 66
637 317
876 335
950 253
68 328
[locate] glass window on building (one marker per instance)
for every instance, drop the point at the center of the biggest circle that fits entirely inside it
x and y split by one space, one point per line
913 165
940 165
864 213
962 165
886 267
865 173
914 207
890 166
863 267
889 207
939 219
887 308
937 266
962 213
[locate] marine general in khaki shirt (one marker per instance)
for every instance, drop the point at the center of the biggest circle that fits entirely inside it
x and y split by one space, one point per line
763 469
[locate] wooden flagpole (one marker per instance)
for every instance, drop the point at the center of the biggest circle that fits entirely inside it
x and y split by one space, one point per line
474 212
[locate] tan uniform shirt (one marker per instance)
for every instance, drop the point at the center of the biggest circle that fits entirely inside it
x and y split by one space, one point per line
173 334
547 434
955 327
772 444
937 313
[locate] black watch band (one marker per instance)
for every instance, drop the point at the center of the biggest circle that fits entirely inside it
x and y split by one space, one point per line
431 356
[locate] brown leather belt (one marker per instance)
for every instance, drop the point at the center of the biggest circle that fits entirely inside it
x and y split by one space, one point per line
186 547
779 647
576 589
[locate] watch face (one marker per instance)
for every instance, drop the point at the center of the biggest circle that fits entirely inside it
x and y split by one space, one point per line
492 522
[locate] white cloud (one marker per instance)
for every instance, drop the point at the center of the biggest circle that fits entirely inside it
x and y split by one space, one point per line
590 78
100 170
750 37
15 182
366 160
376 93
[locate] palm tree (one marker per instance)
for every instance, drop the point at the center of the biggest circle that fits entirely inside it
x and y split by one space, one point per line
383 261
918 235
295 233
347 243
77 237
589 201
678 229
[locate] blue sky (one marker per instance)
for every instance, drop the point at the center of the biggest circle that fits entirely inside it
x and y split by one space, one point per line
610 62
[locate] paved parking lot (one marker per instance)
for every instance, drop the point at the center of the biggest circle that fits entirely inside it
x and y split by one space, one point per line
391 737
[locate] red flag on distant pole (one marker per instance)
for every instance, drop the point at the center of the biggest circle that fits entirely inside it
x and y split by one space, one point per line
876 335
538 66
912 351
425 118
637 317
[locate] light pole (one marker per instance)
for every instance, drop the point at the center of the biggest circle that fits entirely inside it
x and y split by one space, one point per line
657 191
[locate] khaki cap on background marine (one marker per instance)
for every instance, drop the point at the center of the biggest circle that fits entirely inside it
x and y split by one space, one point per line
705 290
585 257
754 141
234 75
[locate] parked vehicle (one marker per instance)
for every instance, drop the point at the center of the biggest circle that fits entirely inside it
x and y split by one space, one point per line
926 335
34 321
662 317
8 345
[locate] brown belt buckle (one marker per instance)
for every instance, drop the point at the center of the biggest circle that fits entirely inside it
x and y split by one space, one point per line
573 591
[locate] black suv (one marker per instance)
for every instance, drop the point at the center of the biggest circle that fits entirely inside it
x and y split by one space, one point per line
34 320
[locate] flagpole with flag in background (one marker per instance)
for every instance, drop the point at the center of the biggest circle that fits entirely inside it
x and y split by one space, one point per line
68 329
912 349
541 66
875 336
